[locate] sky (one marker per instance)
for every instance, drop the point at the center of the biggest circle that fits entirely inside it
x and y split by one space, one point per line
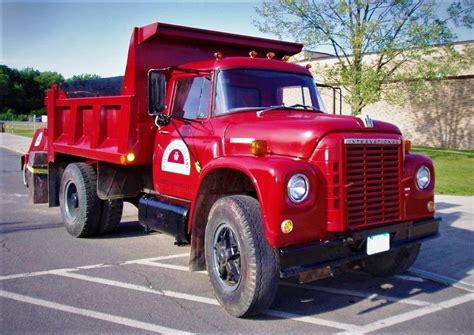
74 37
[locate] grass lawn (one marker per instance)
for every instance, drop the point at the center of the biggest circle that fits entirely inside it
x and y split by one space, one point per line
21 129
454 170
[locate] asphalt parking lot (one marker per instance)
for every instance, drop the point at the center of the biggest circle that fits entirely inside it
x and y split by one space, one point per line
129 282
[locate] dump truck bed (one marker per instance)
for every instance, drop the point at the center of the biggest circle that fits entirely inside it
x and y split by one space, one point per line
100 122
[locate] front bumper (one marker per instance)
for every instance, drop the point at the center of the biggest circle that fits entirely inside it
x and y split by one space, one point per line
350 246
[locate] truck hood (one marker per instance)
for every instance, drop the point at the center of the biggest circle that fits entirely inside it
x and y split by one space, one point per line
292 133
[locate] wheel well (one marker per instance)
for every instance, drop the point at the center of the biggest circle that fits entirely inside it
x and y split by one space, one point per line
217 184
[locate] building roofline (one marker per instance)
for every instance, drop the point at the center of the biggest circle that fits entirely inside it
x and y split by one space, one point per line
329 56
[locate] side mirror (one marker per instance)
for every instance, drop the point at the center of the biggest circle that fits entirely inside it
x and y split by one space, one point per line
156 92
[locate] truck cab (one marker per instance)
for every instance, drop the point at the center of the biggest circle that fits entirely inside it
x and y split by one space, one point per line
225 145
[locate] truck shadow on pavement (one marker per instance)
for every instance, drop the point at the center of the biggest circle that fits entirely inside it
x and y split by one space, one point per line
19 226
445 205
451 254
356 292
125 230
315 300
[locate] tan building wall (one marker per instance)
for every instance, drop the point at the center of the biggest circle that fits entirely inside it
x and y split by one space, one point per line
444 119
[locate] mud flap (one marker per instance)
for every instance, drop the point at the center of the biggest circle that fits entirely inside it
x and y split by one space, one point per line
37 177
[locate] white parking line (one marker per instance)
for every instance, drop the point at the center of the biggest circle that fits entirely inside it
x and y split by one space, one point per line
209 301
359 294
317 321
159 258
409 278
404 317
164 293
86 267
443 279
364 295
167 266
91 314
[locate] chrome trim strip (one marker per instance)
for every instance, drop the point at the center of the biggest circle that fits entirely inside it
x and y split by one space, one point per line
371 141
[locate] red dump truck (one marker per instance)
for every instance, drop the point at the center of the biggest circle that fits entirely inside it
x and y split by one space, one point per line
222 143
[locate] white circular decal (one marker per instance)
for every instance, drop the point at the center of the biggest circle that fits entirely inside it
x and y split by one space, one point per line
176 158
38 139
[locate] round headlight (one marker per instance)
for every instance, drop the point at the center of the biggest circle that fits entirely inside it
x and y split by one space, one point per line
298 188
423 177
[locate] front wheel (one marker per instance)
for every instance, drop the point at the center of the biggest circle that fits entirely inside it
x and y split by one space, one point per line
243 268
392 262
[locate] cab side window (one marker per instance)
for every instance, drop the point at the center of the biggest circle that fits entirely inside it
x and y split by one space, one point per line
191 97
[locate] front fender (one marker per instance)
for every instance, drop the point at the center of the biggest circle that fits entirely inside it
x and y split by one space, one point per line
416 200
269 176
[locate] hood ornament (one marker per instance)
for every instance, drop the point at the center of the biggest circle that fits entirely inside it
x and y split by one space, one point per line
367 120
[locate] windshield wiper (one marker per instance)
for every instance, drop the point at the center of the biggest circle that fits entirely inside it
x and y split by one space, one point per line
186 119
164 120
305 107
259 113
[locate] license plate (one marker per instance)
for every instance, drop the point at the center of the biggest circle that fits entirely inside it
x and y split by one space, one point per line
378 243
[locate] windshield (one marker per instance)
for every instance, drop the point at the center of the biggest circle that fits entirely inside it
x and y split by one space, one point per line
248 89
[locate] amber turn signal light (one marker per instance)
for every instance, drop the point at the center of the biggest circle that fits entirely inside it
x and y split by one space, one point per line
430 206
258 148
407 146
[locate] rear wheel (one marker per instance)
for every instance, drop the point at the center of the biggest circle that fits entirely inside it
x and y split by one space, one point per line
243 268
392 262
80 205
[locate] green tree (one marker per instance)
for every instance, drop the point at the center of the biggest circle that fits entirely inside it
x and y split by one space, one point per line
376 42
22 91
47 78
84 76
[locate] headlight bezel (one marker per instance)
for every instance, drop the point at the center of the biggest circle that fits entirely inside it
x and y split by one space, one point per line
427 173
291 184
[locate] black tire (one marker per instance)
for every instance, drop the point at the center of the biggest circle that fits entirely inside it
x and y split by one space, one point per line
251 289
110 216
80 205
392 262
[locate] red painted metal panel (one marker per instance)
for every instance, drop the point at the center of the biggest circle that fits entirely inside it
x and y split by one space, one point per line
373 178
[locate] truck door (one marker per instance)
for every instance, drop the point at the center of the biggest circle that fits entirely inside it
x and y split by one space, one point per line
178 144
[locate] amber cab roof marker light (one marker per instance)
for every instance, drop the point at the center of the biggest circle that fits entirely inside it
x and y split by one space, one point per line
285 58
218 55
253 54
270 55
